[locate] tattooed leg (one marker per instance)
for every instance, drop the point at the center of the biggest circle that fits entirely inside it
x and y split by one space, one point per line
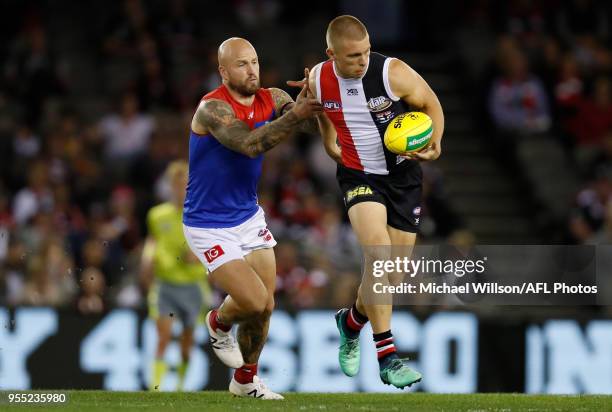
252 335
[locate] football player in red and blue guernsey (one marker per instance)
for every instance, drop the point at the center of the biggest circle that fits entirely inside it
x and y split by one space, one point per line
223 224
361 92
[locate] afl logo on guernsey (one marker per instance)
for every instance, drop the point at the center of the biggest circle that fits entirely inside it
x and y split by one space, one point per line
332 106
378 104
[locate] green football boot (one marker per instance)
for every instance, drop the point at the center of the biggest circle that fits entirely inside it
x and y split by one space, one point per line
399 375
349 353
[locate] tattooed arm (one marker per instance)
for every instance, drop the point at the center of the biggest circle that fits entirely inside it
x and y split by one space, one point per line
284 103
218 118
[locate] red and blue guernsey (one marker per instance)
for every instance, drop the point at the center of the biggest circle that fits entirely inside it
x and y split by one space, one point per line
222 187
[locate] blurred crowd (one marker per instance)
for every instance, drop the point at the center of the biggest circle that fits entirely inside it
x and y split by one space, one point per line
91 114
548 71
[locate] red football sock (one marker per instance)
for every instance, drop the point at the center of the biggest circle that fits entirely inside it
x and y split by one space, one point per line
355 320
215 323
245 373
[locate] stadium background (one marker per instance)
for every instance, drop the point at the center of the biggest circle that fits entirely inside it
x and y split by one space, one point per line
95 100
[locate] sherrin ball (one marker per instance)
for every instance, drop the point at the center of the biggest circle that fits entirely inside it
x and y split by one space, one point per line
408 132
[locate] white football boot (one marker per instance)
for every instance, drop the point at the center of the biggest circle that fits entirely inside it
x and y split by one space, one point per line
256 389
225 346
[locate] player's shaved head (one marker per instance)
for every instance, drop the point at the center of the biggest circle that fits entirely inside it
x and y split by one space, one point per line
344 28
239 66
348 45
232 48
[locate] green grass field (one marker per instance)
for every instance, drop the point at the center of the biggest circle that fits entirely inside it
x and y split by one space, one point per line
92 401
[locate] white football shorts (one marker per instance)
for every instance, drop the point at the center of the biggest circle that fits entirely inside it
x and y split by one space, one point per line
215 247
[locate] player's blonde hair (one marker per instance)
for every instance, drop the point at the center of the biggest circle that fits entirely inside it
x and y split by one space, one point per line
176 168
344 27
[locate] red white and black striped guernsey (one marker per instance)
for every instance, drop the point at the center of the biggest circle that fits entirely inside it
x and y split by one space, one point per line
361 109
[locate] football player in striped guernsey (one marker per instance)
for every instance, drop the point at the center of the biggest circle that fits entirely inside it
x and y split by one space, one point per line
361 91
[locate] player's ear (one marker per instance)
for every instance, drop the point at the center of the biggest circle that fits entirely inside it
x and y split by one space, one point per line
223 72
330 53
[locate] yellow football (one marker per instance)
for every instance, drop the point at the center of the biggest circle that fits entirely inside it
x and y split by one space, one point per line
408 132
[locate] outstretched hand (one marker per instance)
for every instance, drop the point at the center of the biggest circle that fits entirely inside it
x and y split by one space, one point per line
301 83
305 105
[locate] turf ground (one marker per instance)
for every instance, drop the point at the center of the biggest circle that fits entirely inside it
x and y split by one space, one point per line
93 401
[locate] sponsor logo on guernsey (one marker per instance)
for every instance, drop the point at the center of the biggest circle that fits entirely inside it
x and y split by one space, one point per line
378 104
385 116
358 191
416 211
352 92
213 253
332 106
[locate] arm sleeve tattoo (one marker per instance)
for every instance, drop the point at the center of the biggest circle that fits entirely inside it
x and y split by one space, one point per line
283 103
218 117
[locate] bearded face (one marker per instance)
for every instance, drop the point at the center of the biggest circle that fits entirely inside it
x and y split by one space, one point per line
241 71
245 87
